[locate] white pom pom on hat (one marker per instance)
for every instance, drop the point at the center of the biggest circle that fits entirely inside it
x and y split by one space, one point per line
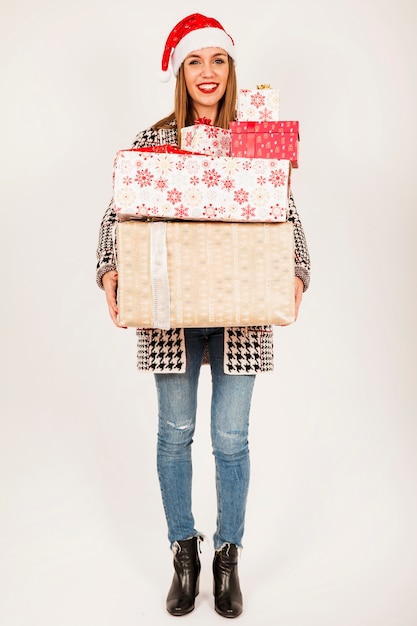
193 33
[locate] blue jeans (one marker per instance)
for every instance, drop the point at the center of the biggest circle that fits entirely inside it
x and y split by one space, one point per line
230 407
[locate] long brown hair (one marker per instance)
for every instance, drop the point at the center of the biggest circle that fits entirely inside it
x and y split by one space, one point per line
183 113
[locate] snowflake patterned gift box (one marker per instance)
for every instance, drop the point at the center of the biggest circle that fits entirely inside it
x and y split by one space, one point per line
180 185
205 138
258 105
271 140
179 274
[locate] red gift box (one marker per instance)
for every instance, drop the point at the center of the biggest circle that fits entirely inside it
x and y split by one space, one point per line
268 140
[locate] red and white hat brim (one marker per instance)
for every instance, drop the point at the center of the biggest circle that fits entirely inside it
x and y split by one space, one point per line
199 39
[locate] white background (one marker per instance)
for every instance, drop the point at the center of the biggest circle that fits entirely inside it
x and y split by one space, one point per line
332 511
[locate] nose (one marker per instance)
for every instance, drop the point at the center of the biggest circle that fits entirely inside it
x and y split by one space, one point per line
207 69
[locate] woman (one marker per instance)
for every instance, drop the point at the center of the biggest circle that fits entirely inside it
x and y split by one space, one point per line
202 58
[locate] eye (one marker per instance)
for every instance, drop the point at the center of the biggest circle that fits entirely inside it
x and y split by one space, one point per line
219 61
193 62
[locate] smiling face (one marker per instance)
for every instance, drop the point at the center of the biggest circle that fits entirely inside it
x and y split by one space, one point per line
205 73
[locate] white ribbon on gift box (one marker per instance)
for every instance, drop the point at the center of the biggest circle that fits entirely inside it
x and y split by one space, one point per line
159 275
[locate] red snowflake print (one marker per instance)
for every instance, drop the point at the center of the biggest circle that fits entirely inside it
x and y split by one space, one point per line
194 180
209 211
127 180
248 212
180 165
144 178
188 139
265 115
261 180
277 212
247 165
174 196
211 178
257 100
240 196
210 131
277 178
181 211
161 183
224 142
228 183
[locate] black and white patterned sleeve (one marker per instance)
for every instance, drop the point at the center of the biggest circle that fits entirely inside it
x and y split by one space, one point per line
105 249
302 256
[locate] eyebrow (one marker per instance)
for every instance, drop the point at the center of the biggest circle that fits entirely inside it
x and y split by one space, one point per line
198 56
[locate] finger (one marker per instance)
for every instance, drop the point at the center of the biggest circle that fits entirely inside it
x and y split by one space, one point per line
114 311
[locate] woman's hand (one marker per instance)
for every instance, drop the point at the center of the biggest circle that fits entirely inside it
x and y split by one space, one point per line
109 281
299 288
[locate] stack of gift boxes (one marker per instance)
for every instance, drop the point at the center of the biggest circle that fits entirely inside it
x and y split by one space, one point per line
202 234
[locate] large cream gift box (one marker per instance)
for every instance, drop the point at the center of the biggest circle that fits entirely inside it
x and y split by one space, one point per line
202 274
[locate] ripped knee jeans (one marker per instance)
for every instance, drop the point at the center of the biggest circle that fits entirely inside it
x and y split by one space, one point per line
230 408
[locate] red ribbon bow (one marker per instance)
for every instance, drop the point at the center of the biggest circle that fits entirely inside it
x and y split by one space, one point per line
203 120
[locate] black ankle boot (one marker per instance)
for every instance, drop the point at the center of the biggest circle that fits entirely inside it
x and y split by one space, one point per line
227 594
185 584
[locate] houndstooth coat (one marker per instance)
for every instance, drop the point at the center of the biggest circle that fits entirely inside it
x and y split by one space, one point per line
247 350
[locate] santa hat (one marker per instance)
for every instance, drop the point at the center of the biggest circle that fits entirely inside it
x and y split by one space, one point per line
193 33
